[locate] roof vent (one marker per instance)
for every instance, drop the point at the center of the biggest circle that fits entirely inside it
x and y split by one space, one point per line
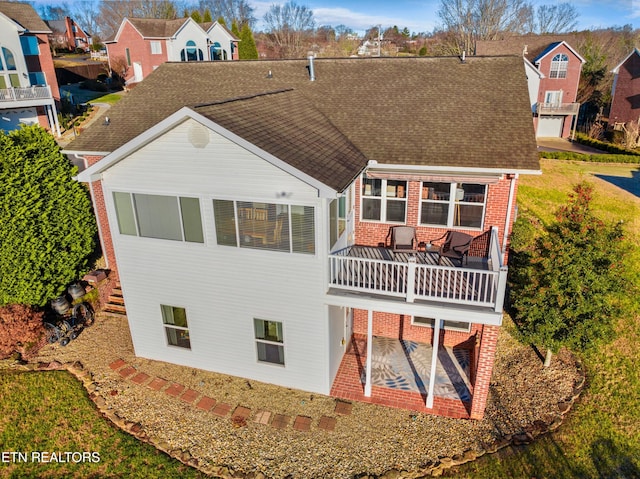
310 67
463 58
525 50
107 121
269 74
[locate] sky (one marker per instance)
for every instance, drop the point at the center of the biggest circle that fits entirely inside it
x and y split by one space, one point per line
421 15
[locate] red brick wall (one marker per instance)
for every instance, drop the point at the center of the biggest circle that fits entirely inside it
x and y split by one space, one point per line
46 65
399 326
100 211
568 85
372 233
139 51
483 370
626 99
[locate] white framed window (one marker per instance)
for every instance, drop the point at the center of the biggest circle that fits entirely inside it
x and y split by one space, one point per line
337 219
176 327
448 325
553 97
559 65
383 200
453 204
156 47
175 218
269 339
271 226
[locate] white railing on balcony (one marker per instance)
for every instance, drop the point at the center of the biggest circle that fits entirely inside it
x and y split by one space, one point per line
421 278
557 108
25 93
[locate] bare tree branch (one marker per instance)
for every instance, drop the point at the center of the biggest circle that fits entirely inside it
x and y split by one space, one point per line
287 25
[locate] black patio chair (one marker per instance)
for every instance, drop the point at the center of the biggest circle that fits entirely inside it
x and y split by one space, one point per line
455 247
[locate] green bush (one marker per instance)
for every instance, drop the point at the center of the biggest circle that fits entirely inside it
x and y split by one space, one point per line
47 227
569 155
604 146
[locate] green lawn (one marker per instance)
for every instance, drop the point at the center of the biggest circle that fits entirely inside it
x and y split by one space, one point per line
56 415
110 98
601 438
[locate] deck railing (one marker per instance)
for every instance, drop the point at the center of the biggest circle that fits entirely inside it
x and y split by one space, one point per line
25 93
557 108
415 281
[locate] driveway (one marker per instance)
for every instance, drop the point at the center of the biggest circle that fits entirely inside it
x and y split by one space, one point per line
562 144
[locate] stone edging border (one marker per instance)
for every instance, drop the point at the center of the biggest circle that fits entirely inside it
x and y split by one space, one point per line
528 435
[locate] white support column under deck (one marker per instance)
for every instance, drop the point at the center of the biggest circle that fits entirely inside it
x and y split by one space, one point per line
367 384
437 324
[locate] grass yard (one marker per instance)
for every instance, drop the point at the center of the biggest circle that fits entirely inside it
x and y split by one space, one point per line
56 415
110 98
601 439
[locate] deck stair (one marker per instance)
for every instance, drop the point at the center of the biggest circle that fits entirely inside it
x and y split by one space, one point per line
115 303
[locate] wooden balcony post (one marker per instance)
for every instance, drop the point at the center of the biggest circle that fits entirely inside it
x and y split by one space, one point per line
411 279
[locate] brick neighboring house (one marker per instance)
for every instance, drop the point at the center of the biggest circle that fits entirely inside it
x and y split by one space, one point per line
28 86
142 44
625 102
553 70
67 34
249 219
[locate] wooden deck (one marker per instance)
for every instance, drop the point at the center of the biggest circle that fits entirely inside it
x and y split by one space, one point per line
416 275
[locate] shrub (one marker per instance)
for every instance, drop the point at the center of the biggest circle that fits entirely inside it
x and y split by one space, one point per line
21 330
604 146
47 227
570 155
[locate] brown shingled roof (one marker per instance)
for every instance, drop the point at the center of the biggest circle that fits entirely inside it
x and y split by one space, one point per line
405 111
157 28
535 44
25 16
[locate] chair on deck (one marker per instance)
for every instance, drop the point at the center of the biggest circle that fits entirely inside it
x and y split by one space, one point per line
456 246
403 238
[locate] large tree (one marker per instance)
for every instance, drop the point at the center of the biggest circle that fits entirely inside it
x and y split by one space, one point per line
470 20
554 18
247 47
287 25
563 288
112 12
239 11
47 228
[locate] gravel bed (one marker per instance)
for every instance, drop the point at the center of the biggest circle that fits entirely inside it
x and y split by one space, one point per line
371 440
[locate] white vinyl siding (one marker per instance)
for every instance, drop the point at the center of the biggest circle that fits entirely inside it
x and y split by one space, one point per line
222 288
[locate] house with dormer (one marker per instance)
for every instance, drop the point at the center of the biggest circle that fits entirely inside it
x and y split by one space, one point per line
258 228
625 93
28 86
142 44
553 70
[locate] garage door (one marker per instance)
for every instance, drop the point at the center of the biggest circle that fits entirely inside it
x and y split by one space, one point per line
12 119
550 126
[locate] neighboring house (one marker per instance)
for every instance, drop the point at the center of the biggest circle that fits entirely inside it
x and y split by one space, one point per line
247 220
68 35
625 103
553 74
142 44
28 85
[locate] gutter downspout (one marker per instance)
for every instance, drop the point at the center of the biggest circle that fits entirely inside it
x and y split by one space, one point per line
512 188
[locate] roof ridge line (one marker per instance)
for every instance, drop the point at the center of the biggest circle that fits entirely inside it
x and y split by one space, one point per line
245 97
